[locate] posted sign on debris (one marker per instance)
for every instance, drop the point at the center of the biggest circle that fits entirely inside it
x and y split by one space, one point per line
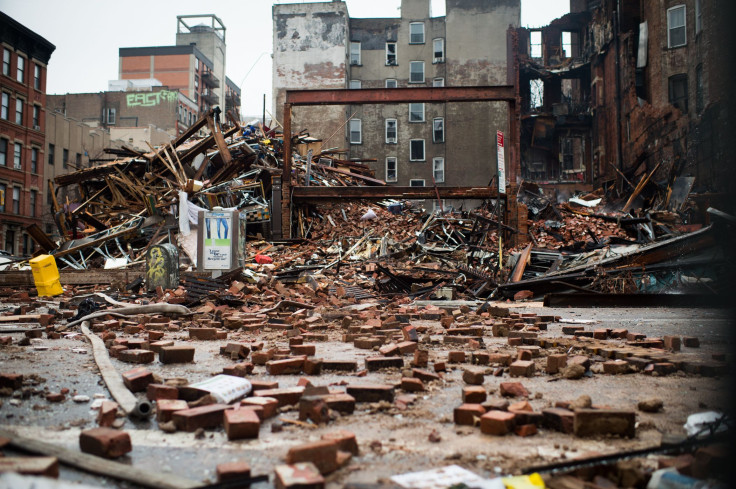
218 239
501 163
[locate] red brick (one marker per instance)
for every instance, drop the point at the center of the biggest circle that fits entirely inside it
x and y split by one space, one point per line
520 406
440 367
241 423
619 333
314 408
671 343
286 366
308 350
600 334
424 375
313 366
474 394
31 466
156 346
522 368
203 333
155 335
615 367
594 422
406 347
390 350
410 333
344 439
473 376
136 356
340 402
138 344
465 414
105 442
285 397
323 454
116 349
298 476
137 380
555 363
55 397
239 369
456 357
500 359
259 385
154 392
230 471
209 416
12 381
176 354
524 355
526 430
377 363
512 389
559 419
165 408
371 392
580 360
410 384
691 341
421 359
497 423
268 404
107 413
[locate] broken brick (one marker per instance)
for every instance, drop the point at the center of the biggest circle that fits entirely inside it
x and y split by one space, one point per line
209 416
513 389
136 356
154 392
137 380
466 414
298 476
230 471
474 394
323 454
371 392
285 366
241 423
593 422
497 423
522 368
105 442
107 413
176 354
165 408
473 376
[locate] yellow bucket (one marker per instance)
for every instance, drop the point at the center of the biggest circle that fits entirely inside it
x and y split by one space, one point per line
46 275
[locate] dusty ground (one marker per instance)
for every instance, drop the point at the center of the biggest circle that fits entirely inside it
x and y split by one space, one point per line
391 441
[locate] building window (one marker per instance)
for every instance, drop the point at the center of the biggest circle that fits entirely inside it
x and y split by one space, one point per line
699 89
354 52
391 131
438 130
416 150
33 196
438 82
16 200
698 17
20 69
678 92
34 160
439 50
438 170
6 62
18 156
3 152
392 169
51 153
78 161
535 44
110 116
356 133
37 117
566 42
3 188
37 77
391 54
4 112
64 157
19 111
416 72
390 82
676 34
416 182
416 33
355 84
536 93
416 112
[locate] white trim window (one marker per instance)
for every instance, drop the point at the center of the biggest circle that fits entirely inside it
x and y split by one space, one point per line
698 16
20 71
392 131
355 52
438 130
392 169
6 62
391 83
110 115
438 50
4 112
356 84
391 54
37 77
676 27
416 182
416 150
356 131
19 106
438 170
438 82
416 72
416 112
416 33
34 160
18 156
3 152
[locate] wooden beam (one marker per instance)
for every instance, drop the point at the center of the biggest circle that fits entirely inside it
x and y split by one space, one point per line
309 194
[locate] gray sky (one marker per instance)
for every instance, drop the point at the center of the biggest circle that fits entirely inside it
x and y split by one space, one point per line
88 33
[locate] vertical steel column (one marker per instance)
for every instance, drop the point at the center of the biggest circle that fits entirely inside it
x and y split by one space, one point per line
286 176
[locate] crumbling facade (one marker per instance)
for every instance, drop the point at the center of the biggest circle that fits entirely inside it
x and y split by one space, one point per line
25 56
418 144
615 90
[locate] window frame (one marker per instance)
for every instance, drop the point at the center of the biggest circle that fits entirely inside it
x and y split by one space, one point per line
396 84
395 54
64 157
351 123
423 118
35 153
17 156
351 53
36 76
111 116
6 61
435 160
36 117
698 17
386 129
5 106
411 34
411 150
675 102
411 71
51 157
32 202
532 45
412 180
683 26
395 162
3 196
435 59
20 69
16 203
355 82
4 151
19 110
434 129
438 81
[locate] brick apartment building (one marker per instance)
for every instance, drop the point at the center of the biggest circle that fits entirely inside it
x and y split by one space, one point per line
25 56
318 46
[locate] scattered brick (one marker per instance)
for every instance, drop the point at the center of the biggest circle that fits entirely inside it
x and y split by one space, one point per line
323 454
344 439
298 476
522 368
410 384
340 402
615 367
556 362
691 342
165 408
371 392
230 471
209 416
287 366
136 356
137 380
473 376
497 423
154 392
593 422
466 414
206 334
284 397
241 424
34 466
176 354
11 381
474 395
512 389
105 442
671 343
107 413
559 419
314 408
526 430
421 359
377 363
268 405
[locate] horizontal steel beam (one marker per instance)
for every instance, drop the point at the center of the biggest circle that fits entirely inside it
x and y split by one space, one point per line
503 93
310 194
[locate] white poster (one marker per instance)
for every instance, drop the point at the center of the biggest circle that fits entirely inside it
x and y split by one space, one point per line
218 228
501 164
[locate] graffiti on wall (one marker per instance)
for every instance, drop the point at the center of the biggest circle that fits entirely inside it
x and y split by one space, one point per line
150 99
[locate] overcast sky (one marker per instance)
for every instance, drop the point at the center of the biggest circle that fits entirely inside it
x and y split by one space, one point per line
88 33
